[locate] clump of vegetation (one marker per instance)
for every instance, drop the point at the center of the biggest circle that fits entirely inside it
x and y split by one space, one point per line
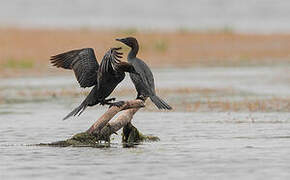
161 45
18 64
83 139
131 135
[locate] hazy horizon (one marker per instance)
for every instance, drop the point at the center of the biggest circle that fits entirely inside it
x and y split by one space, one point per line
260 16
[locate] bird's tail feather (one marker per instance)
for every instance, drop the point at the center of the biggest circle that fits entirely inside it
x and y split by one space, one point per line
160 103
77 110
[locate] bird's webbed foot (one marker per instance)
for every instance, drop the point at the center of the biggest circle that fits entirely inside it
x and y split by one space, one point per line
141 97
118 104
107 101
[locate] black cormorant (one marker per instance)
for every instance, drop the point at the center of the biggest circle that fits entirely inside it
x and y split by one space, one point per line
104 77
144 82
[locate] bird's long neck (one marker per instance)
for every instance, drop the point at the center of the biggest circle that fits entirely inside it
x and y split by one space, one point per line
134 51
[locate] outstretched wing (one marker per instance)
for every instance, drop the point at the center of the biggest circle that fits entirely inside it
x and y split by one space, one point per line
110 60
82 61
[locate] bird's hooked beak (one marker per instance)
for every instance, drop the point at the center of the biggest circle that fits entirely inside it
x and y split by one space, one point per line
121 40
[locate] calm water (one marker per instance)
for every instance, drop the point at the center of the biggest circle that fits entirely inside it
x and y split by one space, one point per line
247 15
194 145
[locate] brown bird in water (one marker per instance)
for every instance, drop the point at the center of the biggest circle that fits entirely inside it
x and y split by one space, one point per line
104 77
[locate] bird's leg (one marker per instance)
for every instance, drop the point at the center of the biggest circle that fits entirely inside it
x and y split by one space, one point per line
107 101
110 99
118 104
141 97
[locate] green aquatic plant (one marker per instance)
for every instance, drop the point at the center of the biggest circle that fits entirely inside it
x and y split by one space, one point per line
130 137
83 139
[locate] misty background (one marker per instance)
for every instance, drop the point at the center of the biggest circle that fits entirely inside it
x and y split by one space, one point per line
260 16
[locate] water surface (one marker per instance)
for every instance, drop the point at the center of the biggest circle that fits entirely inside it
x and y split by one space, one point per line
194 145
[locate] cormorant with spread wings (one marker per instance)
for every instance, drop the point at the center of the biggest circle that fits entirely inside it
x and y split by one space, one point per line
104 77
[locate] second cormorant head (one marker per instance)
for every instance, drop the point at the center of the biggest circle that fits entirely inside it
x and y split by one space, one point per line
129 41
